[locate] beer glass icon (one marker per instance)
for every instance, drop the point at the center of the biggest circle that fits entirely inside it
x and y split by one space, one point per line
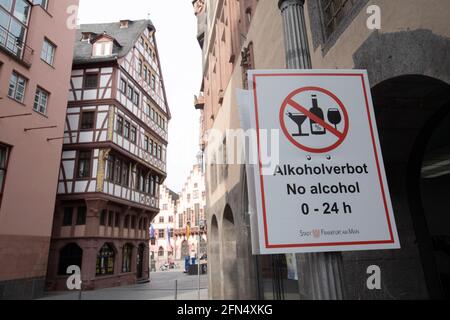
299 119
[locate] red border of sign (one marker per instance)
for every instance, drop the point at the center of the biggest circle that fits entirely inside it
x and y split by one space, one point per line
377 159
298 144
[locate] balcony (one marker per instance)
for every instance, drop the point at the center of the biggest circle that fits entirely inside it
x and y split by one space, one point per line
15 48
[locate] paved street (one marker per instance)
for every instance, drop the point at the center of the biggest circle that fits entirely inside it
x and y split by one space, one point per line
161 287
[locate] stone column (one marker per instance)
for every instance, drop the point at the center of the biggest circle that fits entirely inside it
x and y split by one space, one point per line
320 274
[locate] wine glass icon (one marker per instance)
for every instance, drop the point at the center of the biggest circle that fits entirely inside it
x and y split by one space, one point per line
334 116
299 119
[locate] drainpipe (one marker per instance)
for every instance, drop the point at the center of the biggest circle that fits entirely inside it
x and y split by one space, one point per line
320 274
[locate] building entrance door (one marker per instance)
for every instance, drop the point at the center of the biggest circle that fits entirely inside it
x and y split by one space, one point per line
140 261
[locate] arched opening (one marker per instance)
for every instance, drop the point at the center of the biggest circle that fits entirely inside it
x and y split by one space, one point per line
412 120
229 256
127 253
435 191
69 255
105 260
214 261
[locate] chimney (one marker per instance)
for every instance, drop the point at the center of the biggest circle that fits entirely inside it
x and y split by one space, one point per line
124 24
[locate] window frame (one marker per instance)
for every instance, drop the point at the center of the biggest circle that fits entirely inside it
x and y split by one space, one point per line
37 105
89 162
93 120
81 216
50 44
91 74
14 95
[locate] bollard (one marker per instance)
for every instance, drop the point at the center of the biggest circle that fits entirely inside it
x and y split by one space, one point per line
176 289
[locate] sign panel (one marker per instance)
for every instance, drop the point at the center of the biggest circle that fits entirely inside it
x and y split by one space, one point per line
328 190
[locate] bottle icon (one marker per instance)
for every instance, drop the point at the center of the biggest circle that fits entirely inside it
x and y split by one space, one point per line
317 129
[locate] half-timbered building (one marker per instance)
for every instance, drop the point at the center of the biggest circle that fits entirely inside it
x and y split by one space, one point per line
113 158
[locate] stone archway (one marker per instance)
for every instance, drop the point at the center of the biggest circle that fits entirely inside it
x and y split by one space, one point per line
408 109
214 261
229 256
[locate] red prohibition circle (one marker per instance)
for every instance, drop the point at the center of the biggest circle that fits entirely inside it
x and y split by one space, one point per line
287 103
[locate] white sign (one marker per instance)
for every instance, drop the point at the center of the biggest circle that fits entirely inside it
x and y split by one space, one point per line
329 190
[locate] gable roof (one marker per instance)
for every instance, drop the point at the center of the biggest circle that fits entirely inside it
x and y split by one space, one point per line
126 37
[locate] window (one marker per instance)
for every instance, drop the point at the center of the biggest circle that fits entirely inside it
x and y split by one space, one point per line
84 164
4 153
42 3
40 101
126 262
13 24
119 125
110 168
334 11
91 81
87 120
145 74
155 149
67 217
127 222
147 109
161 219
136 98
153 82
161 233
117 222
158 153
140 65
161 252
103 49
133 222
118 171
70 255
171 219
103 218
81 216
146 143
17 86
105 261
111 219
48 52
133 136
123 86
126 131
130 92
125 171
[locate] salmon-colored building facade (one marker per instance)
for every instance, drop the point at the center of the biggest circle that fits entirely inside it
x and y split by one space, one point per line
36 50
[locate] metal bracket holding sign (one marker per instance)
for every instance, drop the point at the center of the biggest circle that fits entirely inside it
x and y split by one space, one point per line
329 190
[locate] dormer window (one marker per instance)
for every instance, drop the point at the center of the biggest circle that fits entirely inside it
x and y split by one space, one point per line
124 24
86 36
103 49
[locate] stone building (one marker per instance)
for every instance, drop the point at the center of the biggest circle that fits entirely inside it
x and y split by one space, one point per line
113 158
408 66
36 49
189 216
162 241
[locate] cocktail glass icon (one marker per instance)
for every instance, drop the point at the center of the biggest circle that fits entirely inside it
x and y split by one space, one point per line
299 119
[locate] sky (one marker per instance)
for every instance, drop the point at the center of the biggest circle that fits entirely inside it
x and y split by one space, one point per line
180 54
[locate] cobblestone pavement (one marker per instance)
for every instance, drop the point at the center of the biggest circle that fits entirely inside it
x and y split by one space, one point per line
161 287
